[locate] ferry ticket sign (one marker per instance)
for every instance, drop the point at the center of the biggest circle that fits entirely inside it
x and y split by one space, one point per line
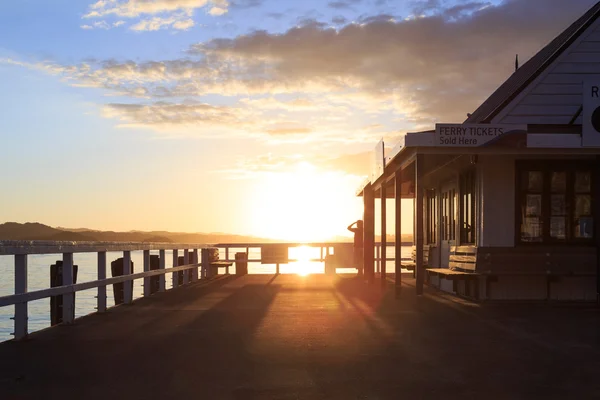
471 135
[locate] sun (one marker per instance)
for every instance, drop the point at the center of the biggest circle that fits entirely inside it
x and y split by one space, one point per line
304 204
303 264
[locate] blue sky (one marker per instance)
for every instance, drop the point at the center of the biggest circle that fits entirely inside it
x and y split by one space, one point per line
249 116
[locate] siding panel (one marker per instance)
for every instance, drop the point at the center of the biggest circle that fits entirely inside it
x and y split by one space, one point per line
525 110
583 57
577 68
553 99
550 120
544 88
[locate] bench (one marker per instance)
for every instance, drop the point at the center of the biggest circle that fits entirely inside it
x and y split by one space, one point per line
462 265
412 266
215 264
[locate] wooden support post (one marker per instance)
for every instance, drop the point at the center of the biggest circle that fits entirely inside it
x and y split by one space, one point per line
419 242
195 261
174 277
186 261
277 269
68 298
596 214
369 233
398 233
377 248
128 285
101 275
162 260
147 285
204 254
21 312
383 251
226 253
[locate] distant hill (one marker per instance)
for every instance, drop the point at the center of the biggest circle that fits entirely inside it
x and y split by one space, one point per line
27 231
37 231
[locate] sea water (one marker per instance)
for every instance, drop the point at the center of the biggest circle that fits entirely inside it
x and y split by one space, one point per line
38 275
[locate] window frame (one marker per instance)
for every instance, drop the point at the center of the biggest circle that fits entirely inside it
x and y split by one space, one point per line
431 212
467 180
547 168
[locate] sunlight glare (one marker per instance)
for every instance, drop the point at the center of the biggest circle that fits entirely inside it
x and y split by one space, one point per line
303 266
304 204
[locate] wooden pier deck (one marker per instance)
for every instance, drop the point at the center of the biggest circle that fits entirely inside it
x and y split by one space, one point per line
316 337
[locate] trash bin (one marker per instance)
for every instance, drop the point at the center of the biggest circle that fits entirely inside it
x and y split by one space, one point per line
56 302
241 263
154 280
180 262
116 268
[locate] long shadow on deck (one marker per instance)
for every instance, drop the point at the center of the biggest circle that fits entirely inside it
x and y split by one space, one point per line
310 338
177 345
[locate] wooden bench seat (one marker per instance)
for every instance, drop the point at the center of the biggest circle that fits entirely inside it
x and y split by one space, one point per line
222 264
452 274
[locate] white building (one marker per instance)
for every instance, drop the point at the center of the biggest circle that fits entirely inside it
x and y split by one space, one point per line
507 202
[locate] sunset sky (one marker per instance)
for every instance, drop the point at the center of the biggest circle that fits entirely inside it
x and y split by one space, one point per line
252 117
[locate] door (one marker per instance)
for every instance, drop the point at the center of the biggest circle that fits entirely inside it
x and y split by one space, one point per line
448 208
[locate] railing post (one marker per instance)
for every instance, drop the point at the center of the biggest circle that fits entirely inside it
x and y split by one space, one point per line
101 275
162 264
68 298
195 261
21 287
174 276
377 249
204 262
227 253
147 284
186 261
127 285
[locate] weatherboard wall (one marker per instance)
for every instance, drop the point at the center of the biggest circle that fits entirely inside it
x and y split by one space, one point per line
556 95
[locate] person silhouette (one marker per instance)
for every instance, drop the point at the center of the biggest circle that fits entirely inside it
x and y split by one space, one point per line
358 244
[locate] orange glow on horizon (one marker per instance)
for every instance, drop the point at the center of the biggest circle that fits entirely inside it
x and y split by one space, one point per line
305 204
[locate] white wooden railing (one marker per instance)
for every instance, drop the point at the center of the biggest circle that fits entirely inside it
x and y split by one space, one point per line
22 249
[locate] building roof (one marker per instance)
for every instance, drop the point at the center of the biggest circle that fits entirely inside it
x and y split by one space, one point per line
532 69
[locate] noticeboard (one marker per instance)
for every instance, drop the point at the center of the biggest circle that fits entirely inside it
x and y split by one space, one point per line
274 254
591 114
471 135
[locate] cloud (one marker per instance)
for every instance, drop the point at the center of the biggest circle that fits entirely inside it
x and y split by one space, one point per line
419 64
332 85
102 25
343 5
288 130
137 8
339 20
154 14
356 164
246 3
216 11
179 21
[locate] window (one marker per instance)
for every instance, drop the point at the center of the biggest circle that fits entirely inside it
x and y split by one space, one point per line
467 207
555 202
431 217
448 218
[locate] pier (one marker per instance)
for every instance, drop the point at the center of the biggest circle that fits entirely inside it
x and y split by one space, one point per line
311 337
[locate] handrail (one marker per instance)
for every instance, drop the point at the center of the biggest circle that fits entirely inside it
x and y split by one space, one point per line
77 287
13 247
21 249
